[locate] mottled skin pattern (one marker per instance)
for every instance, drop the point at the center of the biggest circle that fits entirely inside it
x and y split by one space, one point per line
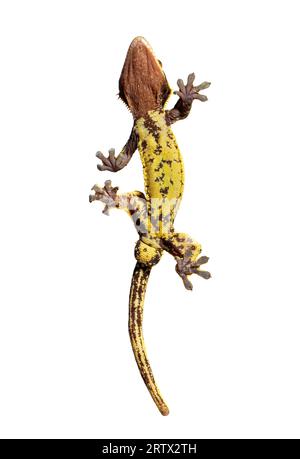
145 90
163 171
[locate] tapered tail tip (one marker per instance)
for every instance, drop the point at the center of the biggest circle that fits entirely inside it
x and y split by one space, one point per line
164 410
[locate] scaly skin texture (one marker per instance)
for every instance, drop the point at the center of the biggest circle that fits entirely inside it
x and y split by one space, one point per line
145 90
136 303
163 171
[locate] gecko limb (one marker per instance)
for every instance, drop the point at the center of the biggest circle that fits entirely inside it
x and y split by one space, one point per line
114 163
186 252
134 204
187 94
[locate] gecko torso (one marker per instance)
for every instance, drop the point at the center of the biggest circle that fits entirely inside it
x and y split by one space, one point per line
162 169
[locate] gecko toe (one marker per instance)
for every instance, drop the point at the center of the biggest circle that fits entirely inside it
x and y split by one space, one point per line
201 261
204 274
187 283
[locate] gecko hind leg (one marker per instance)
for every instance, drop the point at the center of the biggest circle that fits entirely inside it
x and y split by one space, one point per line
134 203
186 252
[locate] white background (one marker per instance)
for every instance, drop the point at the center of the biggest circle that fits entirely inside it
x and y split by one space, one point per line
226 356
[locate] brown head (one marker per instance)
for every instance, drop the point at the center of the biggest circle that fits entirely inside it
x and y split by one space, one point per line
143 85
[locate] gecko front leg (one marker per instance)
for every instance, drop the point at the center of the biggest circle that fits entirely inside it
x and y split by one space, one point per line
113 163
187 94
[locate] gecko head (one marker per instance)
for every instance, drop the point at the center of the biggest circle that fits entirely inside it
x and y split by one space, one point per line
143 86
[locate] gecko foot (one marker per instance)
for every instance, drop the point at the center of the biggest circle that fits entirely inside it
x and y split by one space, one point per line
189 92
107 195
185 267
111 163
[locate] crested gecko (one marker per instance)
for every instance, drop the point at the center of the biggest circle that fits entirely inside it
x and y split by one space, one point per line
144 88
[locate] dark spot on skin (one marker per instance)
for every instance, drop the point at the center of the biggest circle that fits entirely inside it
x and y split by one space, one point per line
170 247
159 167
164 191
160 178
171 181
158 150
144 145
168 144
138 222
167 161
152 127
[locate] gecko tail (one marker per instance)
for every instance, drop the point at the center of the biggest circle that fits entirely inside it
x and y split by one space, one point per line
138 288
